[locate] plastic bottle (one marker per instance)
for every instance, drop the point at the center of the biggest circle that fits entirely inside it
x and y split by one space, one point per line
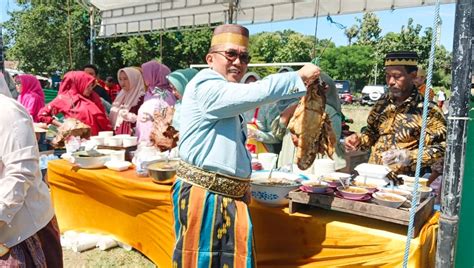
142 157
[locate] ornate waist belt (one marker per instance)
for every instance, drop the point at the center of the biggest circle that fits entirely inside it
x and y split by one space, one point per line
229 186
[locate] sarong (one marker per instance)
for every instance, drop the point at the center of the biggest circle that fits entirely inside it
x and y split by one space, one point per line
211 230
43 249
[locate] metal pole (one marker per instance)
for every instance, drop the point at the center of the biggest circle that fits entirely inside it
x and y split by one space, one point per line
91 34
2 62
456 136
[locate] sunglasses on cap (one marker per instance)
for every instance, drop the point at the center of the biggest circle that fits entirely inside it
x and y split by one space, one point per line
231 55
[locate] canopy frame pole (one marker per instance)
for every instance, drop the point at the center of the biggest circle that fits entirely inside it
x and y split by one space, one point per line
456 135
91 34
2 58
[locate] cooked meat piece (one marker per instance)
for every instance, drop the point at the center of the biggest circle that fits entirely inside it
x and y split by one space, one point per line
164 136
312 126
71 127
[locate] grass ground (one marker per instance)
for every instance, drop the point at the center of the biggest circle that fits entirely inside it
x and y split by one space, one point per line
118 257
357 113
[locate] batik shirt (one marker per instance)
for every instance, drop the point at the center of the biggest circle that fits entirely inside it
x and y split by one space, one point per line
391 126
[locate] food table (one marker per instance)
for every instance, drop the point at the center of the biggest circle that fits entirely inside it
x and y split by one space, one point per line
138 212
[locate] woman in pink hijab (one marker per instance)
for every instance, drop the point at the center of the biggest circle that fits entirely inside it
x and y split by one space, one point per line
31 94
158 97
77 99
123 114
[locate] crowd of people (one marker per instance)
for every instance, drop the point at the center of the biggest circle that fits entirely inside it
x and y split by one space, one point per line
223 115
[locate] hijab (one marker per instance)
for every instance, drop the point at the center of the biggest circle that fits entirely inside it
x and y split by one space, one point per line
127 99
180 78
31 95
155 74
85 109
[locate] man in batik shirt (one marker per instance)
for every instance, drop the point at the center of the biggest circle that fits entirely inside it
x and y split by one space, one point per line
394 123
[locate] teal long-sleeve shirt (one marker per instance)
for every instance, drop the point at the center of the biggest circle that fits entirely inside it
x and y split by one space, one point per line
212 129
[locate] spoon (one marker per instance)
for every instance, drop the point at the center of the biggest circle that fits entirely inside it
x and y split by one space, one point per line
168 156
273 167
342 182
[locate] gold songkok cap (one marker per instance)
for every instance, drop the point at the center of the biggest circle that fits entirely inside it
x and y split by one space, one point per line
230 34
401 58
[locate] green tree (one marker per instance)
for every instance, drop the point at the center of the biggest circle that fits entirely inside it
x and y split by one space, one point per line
410 38
38 36
353 63
284 46
368 29
351 33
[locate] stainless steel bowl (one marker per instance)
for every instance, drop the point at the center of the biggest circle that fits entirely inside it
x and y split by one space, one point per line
163 172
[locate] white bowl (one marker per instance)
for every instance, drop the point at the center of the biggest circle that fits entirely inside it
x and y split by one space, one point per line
369 183
383 199
118 165
315 186
106 133
113 141
99 140
129 141
334 179
372 171
273 195
423 190
89 162
123 136
398 191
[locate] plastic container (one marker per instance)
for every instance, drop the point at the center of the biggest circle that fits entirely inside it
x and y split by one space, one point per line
113 141
106 133
129 141
268 160
99 140
143 156
372 171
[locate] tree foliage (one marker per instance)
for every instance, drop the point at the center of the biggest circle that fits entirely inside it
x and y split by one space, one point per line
351 63
53 36
368 32
284 46
38 37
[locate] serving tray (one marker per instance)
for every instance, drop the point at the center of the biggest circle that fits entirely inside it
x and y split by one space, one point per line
299 201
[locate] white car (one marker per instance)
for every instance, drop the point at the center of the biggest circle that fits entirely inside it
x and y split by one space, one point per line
372 93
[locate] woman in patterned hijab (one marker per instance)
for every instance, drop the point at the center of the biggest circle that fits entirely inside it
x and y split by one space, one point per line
158 96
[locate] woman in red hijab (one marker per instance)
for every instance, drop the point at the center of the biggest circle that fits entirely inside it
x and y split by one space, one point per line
76 99
31 94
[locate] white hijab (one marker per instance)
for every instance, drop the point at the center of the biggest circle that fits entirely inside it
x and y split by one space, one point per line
4 90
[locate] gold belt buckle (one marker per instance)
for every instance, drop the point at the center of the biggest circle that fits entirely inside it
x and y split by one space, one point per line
213 180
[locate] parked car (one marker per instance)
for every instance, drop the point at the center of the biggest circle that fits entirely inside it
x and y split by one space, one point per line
343 88
372 93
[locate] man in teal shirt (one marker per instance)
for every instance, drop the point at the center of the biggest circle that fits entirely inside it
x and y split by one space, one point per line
212 221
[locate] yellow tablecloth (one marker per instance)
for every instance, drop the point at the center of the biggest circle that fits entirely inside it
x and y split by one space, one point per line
138 212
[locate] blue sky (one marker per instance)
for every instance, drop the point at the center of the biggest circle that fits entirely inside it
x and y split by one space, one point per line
390 21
